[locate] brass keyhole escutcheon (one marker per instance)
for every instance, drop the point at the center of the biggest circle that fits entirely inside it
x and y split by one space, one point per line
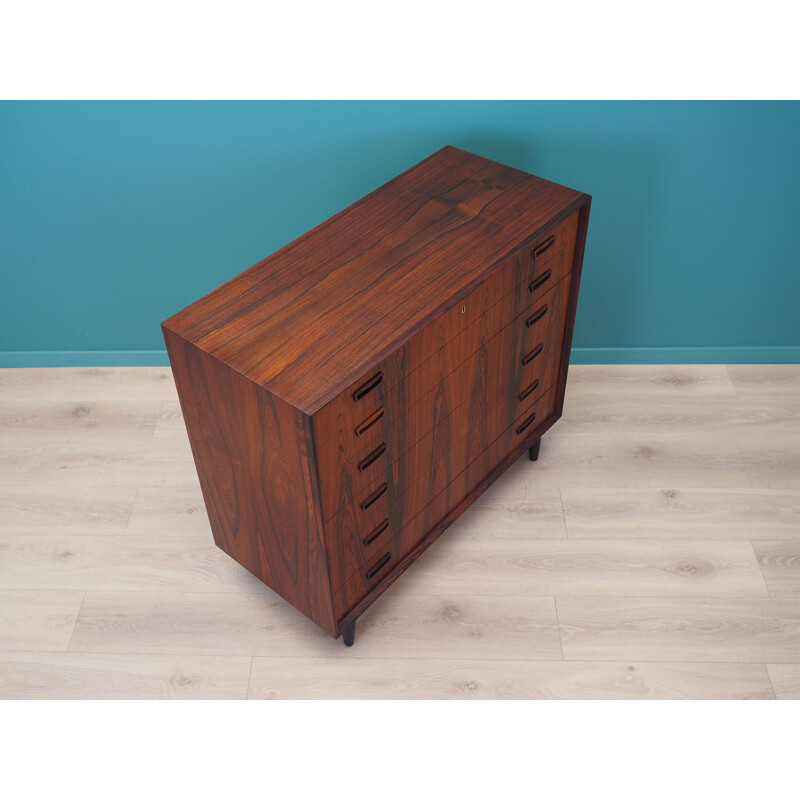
463 309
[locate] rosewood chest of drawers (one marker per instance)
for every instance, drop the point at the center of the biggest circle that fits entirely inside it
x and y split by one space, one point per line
349 396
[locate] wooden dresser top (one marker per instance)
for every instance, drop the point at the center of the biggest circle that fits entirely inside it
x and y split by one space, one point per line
317 314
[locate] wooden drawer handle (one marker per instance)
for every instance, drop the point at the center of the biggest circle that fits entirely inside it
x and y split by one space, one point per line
533 353
526 424
364 390
372 457
370 538
526 392
545 245
378 567
370 421
374 497
535 317
537 283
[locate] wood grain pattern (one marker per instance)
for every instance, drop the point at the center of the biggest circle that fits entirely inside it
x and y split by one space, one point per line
688 460
681 513
586 413
434 476
457 333
767 460
169 511
765 380
252 457
81 422
458 679
75 509
780 564
657 381
493 517
785 680
417 537
108 464
434 232
427 524
593 568
478 367
156 642
693 629
262 624
120 563
88 676
36 620
61 384
347 393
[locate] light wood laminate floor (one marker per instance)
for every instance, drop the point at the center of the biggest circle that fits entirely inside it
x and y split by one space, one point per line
653 551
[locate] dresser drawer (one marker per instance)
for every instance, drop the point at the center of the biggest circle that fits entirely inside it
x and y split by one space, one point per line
537 352
396 419
369 574
392 429
549 257
530 272
420 474
477 465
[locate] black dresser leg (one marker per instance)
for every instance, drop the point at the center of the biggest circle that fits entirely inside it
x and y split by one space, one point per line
533 450
349 635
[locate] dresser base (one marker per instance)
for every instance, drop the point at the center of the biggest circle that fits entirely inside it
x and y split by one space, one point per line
533 451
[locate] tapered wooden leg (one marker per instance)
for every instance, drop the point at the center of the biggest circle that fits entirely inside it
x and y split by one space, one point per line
533 450
349 635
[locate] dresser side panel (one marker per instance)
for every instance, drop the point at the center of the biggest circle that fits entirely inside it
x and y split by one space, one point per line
254 459
572 309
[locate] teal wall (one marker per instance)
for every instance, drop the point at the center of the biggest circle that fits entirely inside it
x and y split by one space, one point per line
113 215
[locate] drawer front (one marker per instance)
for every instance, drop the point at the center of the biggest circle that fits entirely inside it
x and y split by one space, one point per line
369 574
398 419
550 257
538 267
479 467
421 474
358 456
536 351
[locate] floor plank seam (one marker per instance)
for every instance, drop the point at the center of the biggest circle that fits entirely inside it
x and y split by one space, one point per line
563 513
732 382
760 568
433 658
772 685
130 511
720 635
443 596
75 626
249 680
558 624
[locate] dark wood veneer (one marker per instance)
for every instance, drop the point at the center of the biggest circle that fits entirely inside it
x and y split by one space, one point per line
348 396
403 420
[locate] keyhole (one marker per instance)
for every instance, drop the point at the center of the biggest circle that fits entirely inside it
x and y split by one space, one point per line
463 309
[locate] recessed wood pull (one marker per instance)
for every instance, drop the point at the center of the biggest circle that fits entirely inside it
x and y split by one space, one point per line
370 421
536 316
528 422
526 359
526 392
364 390
372 457
370 538
537 283
545 245
374 497
378 567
